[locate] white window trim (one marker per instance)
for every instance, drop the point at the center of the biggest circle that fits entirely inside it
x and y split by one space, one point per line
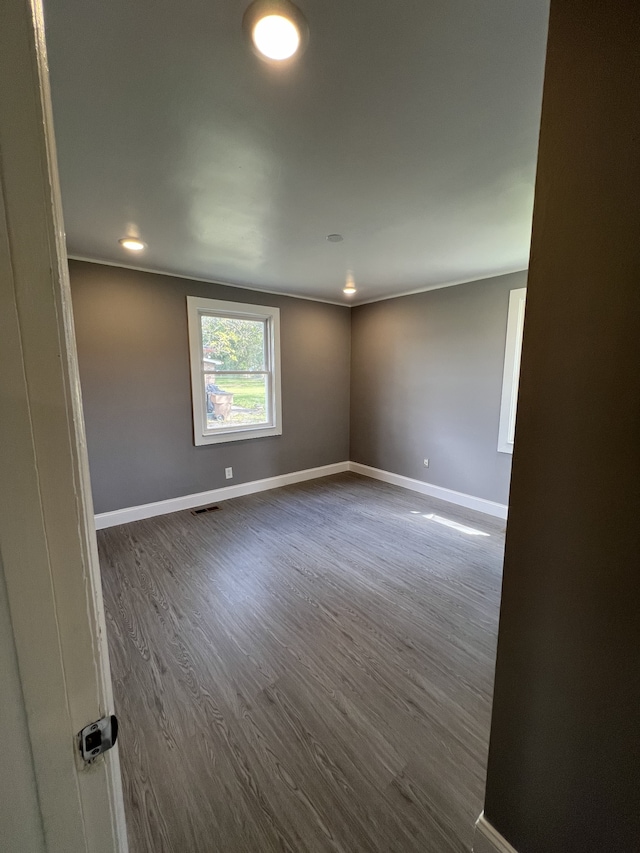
196 306
511 375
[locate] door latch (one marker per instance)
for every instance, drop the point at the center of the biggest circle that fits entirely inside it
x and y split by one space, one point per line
97 738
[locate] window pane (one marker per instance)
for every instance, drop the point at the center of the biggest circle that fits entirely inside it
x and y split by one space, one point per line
235 399
235 350
229 343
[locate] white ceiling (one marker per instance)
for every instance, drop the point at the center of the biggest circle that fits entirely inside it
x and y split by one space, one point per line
409 127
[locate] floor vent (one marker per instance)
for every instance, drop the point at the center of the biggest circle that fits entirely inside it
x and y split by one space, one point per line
204 509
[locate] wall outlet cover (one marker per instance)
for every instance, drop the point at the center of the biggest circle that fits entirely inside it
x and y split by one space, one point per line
228 473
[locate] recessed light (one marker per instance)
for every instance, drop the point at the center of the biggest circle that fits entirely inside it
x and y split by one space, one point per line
276 29
335 238
133 244
276 37
350 285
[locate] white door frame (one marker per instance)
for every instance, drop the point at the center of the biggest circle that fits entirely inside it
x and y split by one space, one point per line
47 534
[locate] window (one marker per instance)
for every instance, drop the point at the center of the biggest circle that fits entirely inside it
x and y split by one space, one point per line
511 375
235 370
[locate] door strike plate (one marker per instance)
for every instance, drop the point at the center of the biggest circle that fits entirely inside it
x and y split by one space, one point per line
97 738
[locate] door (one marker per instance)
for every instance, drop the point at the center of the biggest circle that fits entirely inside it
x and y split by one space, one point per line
47 535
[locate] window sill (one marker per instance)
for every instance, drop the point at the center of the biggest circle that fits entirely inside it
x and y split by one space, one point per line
236 435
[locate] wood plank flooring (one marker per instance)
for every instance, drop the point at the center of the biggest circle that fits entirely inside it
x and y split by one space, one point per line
307 670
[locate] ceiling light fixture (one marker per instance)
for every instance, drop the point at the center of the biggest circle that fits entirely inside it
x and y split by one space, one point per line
276 29
350 285
133 244
276 37
335 238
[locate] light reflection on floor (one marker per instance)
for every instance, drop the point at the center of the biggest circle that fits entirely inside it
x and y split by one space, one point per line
447 522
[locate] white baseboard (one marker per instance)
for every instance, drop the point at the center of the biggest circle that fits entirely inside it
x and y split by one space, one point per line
460 498
487 839
136 513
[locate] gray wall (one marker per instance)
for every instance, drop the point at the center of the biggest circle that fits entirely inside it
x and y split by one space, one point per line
426 381
131 330
20 821
564 760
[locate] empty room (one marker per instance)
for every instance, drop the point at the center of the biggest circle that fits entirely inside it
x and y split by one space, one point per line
308 667
265 352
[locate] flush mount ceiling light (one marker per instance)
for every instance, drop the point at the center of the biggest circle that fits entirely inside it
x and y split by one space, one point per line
133 244
276 37
350 285
276 29
335 238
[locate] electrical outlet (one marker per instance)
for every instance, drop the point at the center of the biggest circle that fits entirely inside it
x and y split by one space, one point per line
228 473
425 462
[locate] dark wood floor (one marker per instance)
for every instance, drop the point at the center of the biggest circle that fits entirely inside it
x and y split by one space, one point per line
308 669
